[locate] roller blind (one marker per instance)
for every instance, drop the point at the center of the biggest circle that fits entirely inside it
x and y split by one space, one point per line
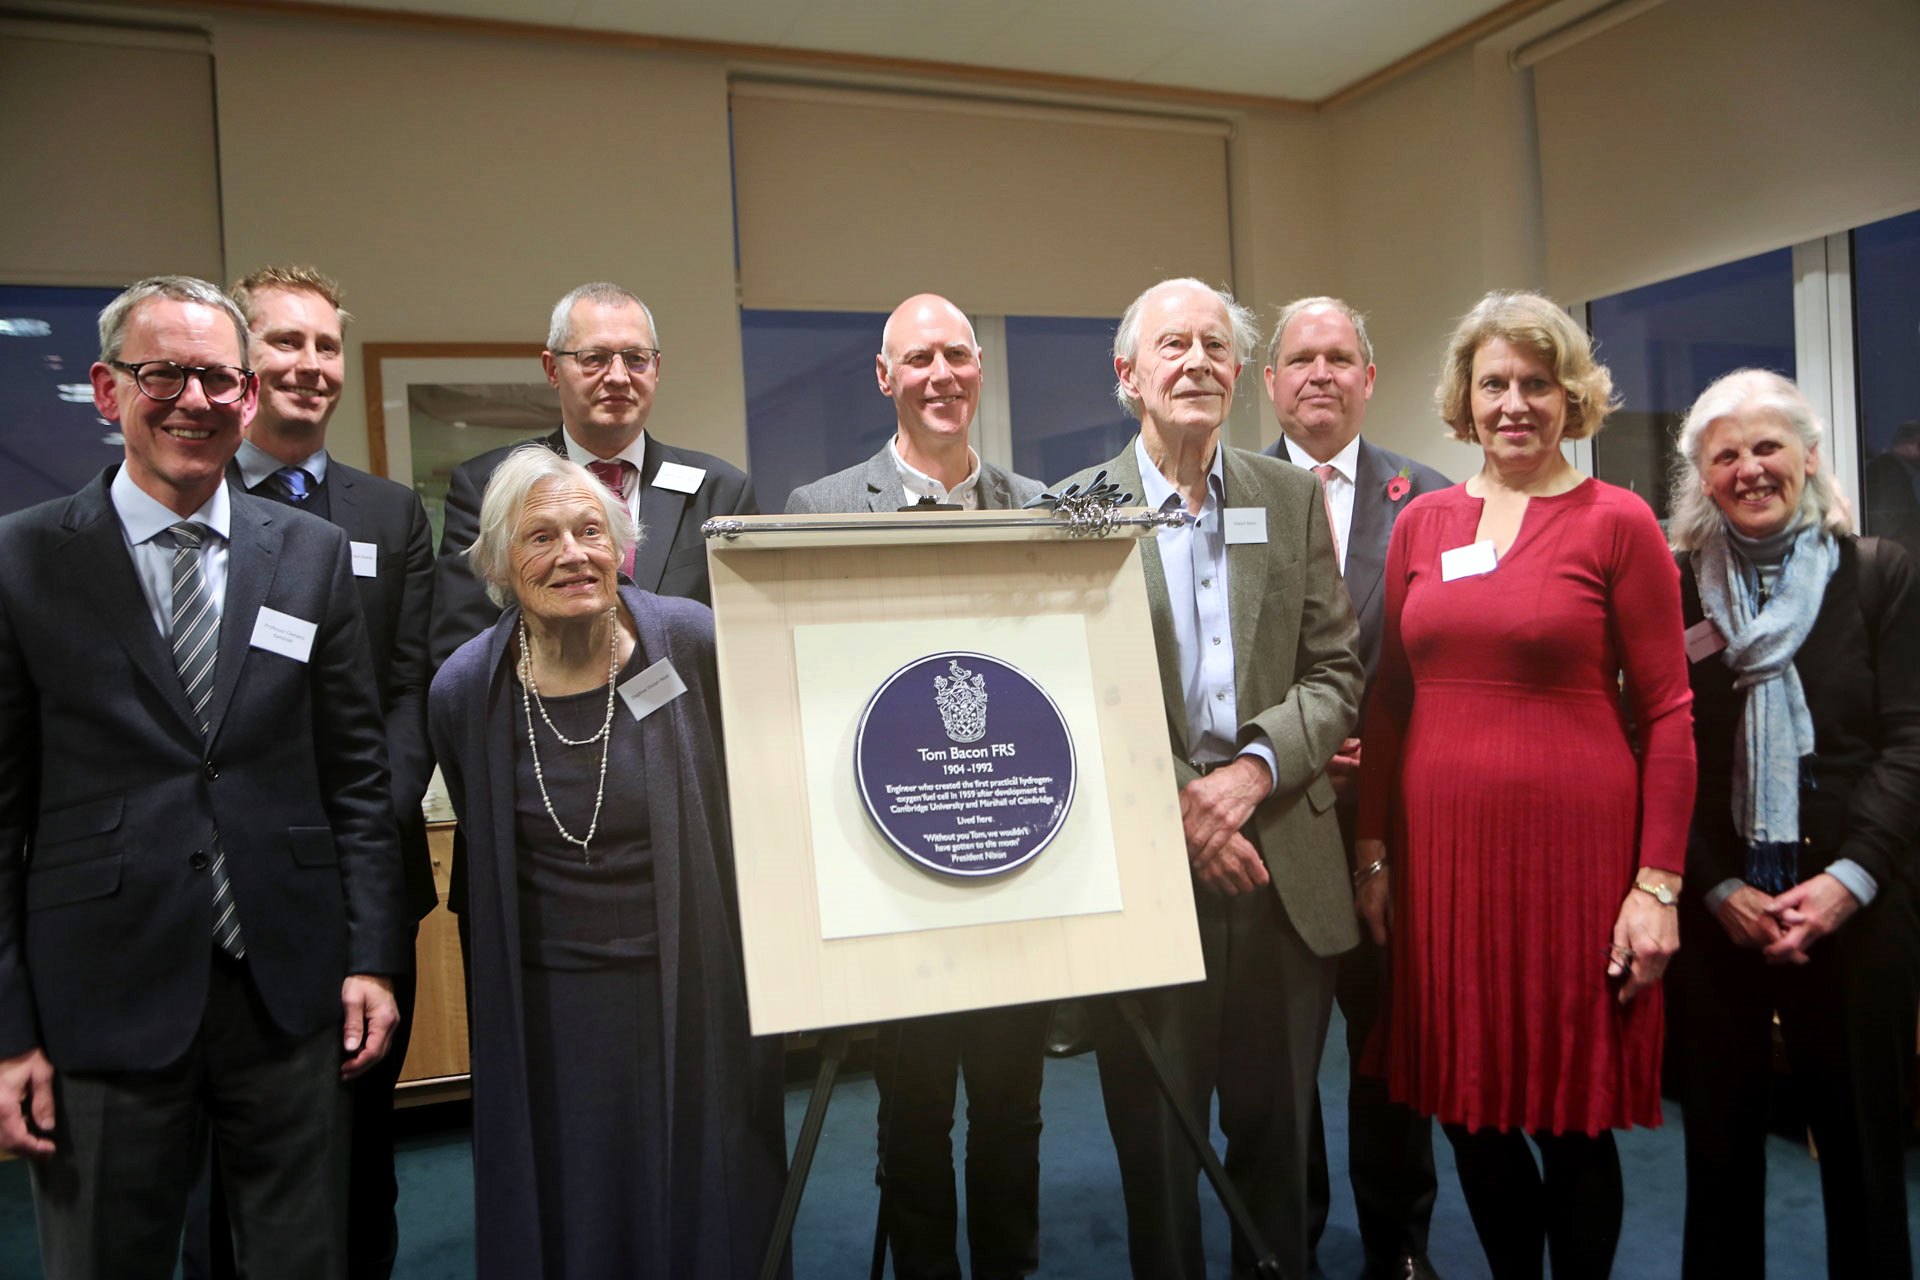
111 172
853 201
1710 130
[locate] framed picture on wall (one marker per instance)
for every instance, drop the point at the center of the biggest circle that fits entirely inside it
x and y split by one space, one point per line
433 405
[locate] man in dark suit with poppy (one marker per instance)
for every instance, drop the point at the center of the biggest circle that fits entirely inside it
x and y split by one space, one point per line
1320 375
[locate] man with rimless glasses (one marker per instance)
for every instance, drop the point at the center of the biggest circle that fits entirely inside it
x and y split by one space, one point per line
603 357
200 886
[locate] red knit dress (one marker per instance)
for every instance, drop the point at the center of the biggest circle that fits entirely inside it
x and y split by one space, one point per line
1502 770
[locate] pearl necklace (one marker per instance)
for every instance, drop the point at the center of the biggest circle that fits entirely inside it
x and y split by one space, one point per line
530 698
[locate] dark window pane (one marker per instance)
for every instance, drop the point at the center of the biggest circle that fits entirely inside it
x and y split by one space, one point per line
1886 344
1060 395
813 406
1664 343
52 441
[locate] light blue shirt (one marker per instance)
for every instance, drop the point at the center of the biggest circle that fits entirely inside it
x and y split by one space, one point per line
1193 559
256 464
143 518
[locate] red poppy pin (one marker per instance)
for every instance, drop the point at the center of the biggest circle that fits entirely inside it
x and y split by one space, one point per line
1398 487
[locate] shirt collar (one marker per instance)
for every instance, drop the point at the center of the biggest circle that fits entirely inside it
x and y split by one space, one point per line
636 453
256 464
922 485
143 516
1155 489
1346 462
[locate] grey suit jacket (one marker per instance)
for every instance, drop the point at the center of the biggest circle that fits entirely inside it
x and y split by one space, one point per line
110 798
1297 679
1374 512
874 485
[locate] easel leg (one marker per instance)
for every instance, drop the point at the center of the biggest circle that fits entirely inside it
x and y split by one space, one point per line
1266 1264
833 1051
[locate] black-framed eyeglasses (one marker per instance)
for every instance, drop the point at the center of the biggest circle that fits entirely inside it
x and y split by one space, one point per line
597 360
163 380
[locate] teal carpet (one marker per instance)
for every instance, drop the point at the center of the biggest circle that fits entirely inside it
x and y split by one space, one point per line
1083 1223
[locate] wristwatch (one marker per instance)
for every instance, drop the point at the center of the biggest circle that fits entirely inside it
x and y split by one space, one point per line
1661 894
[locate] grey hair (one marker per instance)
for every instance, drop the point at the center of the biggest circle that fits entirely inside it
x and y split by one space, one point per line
114 317
1293 310
1693 515
1126 339
525 469
600 291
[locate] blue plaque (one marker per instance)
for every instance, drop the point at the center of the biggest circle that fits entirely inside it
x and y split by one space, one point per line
964 764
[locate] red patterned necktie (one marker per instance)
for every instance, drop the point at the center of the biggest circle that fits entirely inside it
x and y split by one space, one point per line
1326 473
612 474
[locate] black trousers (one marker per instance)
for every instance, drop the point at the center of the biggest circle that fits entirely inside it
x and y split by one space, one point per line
1847 1017
1001 1053
1389 1146
373 1230
1252 1032
112 1198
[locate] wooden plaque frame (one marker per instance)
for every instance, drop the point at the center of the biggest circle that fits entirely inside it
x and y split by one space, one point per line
855 568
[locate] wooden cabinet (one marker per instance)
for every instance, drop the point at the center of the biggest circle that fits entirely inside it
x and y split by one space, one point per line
437 1063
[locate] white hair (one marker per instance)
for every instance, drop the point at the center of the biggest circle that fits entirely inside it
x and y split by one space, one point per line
527 468
1126 339
1693 516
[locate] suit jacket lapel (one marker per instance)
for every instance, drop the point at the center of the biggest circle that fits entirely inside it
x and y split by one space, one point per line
660 511
1372 526
1125 472
253 554
343 501
101 565
883 482
1246 567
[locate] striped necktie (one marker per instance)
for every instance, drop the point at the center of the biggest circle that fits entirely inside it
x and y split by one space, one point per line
196 642
295 484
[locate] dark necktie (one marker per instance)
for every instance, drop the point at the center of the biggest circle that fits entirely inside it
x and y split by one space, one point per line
613 475
195 628
295 485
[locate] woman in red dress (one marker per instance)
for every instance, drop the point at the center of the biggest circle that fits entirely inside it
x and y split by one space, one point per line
1524 830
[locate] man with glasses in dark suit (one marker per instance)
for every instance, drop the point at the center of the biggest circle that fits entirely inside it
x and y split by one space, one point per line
200 885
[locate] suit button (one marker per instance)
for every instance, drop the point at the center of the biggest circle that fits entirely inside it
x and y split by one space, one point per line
213 771
199 861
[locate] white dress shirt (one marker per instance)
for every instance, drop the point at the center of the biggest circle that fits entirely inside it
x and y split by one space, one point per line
1339 487
635 453
142 519
256 464
917 484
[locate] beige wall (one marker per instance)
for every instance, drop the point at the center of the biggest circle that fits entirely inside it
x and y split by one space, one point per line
458 185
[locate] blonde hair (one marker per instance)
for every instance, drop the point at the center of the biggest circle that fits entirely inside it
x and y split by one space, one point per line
294 276
1532 323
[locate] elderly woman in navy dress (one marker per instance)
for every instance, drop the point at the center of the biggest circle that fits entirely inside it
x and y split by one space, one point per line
625 1123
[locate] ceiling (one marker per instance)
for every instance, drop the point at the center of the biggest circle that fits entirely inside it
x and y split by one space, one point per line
1298 50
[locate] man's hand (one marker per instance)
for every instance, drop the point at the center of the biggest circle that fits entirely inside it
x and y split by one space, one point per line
1645 936
1212 811
26 1090
370 1015
1343 771
1747 916
1807 913
1214 808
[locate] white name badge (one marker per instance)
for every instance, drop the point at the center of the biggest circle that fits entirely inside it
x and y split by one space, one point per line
284 634
366 559
1704 640
679 477
1469 561
652 689
1246 524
